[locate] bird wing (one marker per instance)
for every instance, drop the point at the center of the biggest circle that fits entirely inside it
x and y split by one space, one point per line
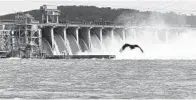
139 48
123 47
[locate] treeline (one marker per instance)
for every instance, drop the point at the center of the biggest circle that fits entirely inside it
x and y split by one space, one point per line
130 16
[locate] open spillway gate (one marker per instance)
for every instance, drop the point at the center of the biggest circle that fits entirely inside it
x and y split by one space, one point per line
26 37
71 39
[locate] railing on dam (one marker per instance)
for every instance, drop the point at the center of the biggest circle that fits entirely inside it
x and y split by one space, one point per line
100 24
91 23
111 24
84 24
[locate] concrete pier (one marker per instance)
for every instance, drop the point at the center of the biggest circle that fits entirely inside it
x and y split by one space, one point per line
52 38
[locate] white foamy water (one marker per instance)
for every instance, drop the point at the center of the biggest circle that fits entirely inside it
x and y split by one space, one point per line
157 44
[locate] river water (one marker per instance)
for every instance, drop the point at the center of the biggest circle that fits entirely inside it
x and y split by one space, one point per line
97 79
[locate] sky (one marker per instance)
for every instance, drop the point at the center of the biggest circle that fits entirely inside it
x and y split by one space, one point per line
179 6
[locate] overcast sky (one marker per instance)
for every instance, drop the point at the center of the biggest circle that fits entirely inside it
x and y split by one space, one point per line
180 6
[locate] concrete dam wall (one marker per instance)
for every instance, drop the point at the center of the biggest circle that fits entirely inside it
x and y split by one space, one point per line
75 40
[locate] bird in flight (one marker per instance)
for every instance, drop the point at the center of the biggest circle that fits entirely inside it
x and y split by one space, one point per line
131 47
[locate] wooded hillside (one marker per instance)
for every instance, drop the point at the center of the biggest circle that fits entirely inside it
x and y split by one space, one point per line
92 13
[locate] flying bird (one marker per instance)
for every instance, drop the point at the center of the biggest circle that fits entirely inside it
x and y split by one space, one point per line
131 47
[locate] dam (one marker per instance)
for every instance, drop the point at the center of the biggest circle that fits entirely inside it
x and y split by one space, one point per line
26 37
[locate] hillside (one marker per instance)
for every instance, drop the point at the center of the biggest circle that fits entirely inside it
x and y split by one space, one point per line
92 13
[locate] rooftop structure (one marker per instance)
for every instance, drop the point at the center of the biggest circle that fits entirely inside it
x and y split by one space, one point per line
50 14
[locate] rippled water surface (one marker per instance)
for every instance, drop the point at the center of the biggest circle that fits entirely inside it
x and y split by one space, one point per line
97 79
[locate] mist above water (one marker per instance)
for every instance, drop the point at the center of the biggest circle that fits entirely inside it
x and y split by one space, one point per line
156 43
176 46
